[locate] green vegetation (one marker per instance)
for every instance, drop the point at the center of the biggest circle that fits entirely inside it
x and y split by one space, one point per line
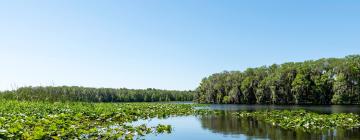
301 119
40 120
73 112
324 81
83 94
230 123
81 120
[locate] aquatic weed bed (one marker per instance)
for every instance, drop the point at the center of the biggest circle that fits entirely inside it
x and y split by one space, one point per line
304 120
44 120
41 120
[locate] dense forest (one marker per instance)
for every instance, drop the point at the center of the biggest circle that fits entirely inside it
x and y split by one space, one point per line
324 81
83 94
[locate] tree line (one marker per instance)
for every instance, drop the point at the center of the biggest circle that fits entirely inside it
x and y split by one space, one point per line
323 81
85 94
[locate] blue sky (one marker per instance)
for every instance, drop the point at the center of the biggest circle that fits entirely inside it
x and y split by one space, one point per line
166 44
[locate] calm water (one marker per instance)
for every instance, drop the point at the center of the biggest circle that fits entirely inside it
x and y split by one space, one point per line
225 127
314 108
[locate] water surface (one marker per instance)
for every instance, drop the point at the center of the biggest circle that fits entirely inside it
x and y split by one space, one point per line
225 127
313 108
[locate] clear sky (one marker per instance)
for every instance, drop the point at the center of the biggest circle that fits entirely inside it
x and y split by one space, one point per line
166 44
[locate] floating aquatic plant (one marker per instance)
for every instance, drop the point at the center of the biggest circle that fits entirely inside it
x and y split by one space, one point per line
301 119
41 120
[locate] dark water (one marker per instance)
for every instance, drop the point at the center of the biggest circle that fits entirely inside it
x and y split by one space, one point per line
224 126
314 108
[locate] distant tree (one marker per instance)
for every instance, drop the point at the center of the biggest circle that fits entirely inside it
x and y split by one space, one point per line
324 81
84 94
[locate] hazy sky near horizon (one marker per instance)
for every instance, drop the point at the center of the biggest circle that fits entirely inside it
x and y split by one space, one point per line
166 44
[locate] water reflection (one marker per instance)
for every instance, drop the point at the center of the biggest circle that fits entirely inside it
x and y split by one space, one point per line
314 108
228 125
225 127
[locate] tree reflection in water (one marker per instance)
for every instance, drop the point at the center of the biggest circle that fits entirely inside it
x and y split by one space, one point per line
224 123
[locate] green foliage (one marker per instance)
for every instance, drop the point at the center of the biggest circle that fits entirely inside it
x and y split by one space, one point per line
226 100
83 94
342 94
324 81
41 120
306 121
163 129
81 120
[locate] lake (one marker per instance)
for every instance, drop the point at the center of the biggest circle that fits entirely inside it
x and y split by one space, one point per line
314 108
226 127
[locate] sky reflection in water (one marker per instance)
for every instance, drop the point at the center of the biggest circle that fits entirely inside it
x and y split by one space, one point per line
225 127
